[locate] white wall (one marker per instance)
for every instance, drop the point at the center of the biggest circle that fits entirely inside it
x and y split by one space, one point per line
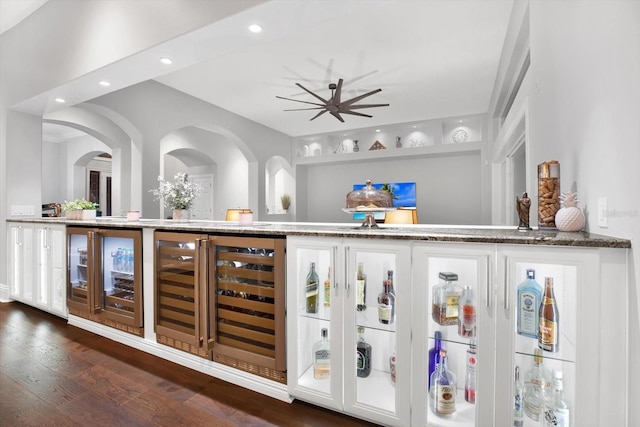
447 187
583 91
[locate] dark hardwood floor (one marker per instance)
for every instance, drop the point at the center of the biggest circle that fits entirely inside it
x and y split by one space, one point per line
54 374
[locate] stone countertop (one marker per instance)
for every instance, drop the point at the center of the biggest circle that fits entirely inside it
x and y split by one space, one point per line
419 232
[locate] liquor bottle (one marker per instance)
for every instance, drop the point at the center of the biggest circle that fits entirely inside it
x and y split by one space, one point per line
392 368
470 376
322 357
392 290
549 324
467 321
556 411
443 389
327 289
445 300
518 395
363 355
361 289
312 289
434 355
386 304
529 298
537 384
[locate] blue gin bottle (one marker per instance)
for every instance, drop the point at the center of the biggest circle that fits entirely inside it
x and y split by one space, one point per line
529 297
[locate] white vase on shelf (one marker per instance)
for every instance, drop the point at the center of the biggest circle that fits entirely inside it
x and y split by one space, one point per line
181 215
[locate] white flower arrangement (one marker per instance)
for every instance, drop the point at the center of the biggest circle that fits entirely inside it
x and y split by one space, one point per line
178 194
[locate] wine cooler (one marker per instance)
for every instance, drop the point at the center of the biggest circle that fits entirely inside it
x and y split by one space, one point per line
222 298
104 277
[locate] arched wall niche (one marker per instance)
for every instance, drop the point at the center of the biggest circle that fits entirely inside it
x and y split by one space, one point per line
204 151
279 180
124 146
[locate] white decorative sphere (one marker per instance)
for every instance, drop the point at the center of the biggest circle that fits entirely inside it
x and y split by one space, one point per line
570 219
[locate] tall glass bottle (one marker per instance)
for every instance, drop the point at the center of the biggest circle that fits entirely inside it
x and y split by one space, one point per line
443 389
312 289
467 319
361 289
322 357
529 298
386 304
445 300
327 290
537 383
391 289
518 396
556 411
434 355
549 323
470 375
363 355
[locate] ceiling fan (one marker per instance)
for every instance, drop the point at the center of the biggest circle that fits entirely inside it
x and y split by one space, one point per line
334 105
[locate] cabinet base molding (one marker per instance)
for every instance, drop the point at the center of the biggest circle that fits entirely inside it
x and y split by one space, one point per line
107 322
253 368
217 370
184 346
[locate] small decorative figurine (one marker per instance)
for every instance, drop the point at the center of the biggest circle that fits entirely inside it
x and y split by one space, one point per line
570 217
355 146
522 206
398 142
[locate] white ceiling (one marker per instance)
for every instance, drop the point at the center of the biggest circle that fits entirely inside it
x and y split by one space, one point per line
431 58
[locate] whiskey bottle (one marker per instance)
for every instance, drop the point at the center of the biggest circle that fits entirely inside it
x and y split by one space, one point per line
392 290
327 289
443 389
467 321
363 355
518 396
470 375
312 289
529 298
386 304
446 297
556 411
549 323
322 357
361 289
537 383
434 355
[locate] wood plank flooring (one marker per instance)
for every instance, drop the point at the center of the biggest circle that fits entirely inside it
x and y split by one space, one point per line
54 374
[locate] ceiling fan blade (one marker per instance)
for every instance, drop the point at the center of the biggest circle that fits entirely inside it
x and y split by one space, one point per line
337 116
297 100
306 109
358 98
311 93
354 107
318 115
355 113
336 97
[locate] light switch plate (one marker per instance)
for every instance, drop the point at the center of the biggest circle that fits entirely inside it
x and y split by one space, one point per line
602 212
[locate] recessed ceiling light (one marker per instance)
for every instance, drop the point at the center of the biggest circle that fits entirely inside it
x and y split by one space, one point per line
377 130
166 61
104 83
60 100
255 28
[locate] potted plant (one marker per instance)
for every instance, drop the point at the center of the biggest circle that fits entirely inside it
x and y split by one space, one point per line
285 199
80 209
177 195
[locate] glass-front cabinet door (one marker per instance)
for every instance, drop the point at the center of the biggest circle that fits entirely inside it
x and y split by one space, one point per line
20 276
349 329
80 270
51 271
453 335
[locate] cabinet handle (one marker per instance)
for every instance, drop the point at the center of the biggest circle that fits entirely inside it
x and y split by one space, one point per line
333 268
505 293
488 283
346 263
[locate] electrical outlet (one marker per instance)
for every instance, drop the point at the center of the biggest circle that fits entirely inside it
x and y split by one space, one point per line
602 212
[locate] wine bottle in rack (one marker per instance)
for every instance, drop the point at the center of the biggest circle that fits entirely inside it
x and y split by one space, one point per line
312 289
386 304
529 298
549 323
443 389
361 289
446 298
363 355
322 357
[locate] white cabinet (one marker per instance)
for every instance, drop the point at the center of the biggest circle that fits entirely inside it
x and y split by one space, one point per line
374 397
37 266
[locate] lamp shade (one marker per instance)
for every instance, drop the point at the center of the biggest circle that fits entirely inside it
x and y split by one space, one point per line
401 216
234 214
